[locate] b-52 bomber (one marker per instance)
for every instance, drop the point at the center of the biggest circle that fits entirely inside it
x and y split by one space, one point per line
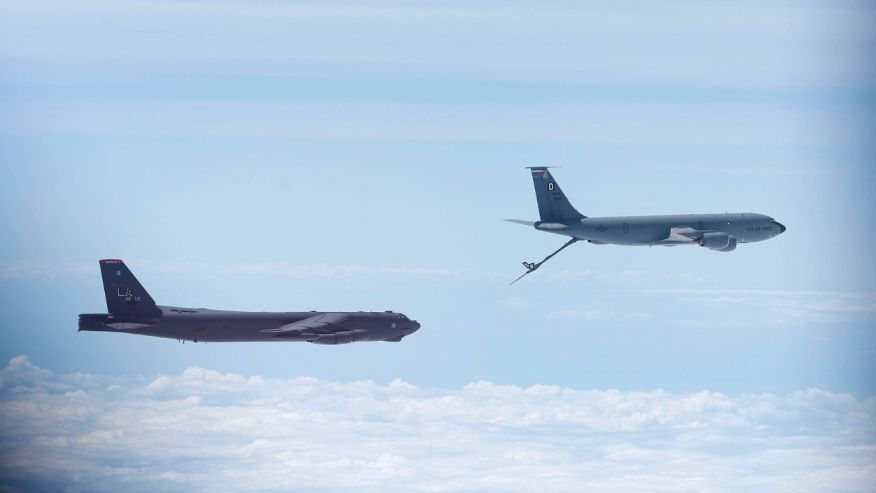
719 232
133 311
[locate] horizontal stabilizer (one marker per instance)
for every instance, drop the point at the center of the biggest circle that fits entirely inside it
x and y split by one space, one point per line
551 226
128 325
521 221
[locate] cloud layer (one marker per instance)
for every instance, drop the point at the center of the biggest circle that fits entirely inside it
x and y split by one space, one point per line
676 41
209 431
42 270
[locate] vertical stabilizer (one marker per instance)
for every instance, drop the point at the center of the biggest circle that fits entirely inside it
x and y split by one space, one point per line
553 206
126 299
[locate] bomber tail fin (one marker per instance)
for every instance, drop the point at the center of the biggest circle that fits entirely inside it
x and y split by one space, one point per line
553 206
126 299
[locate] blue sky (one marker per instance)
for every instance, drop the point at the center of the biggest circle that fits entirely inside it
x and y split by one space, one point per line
332 156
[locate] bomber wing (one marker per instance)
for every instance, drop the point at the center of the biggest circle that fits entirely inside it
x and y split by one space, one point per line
310 328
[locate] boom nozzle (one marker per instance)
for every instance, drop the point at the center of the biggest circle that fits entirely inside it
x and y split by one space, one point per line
532 267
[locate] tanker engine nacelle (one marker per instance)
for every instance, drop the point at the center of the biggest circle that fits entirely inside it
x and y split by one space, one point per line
721 242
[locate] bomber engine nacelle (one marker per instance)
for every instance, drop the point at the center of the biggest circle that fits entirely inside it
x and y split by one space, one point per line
721 242
341 337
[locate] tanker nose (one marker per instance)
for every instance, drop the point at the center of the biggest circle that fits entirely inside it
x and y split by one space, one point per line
782 227
415 326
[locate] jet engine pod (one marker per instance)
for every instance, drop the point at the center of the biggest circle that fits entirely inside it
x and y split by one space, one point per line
716 241
341 338
730 246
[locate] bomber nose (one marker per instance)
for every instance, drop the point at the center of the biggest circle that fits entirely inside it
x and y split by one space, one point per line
781 226
415 326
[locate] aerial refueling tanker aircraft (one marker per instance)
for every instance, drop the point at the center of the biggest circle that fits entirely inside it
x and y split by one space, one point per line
719 232
133 311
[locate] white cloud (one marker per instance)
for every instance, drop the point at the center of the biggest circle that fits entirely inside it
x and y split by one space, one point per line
210 431
626 277
38 270
44 270
796 303
643 54
595 315
284 269
810 42
772 306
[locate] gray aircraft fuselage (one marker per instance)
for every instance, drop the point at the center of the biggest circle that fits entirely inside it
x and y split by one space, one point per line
133 311
746 227
721 232
718 232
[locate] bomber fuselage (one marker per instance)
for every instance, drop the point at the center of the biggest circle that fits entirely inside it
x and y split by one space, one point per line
204 325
